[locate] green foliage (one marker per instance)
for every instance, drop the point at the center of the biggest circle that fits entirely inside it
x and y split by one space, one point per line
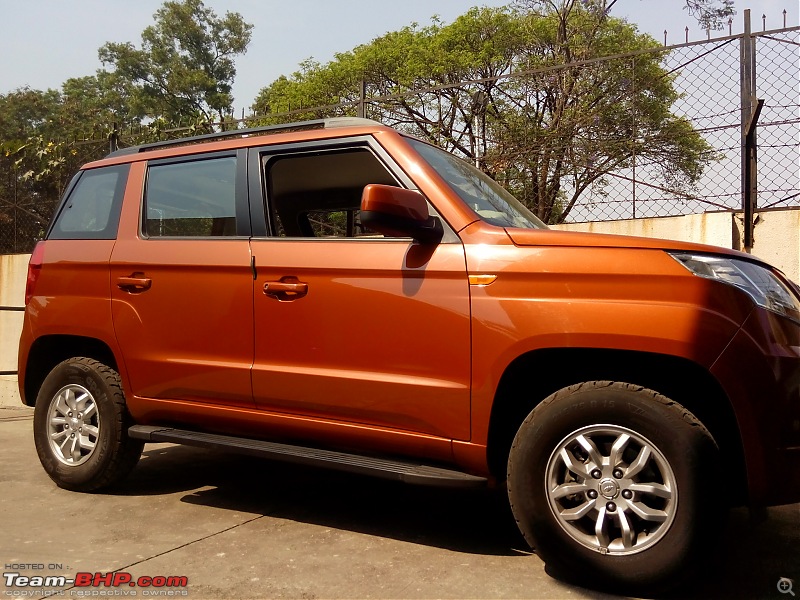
180 78
710 14
35 165
185 66
537 111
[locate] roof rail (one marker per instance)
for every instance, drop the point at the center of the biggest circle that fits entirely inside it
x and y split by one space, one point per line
330 123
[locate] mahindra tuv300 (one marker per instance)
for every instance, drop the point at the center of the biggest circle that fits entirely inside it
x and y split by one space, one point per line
337 293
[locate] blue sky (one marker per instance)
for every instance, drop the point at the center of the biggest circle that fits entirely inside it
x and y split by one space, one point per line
45 42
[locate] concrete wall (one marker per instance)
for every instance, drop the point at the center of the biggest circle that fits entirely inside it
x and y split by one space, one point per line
776 236
717 229
13 273
777 240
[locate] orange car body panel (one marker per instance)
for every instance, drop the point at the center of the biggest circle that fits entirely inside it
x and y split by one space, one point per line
73 283
375 294
579 297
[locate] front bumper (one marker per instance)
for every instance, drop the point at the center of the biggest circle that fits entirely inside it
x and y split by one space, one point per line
760 372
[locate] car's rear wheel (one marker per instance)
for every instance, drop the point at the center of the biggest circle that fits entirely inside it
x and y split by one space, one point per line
81 426
615 485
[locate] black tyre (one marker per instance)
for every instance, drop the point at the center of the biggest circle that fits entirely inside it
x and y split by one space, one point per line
80 426
613 485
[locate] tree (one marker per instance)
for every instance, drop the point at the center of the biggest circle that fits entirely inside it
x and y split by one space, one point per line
184 71
710 14
521 94
30 164
95 101
562 130
45 136
185 68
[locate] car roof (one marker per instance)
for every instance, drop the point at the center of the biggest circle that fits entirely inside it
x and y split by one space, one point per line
235 137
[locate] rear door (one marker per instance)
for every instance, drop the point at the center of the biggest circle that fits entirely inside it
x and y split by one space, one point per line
349 325
182 283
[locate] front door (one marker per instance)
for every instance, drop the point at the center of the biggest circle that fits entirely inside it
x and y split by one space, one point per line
351 326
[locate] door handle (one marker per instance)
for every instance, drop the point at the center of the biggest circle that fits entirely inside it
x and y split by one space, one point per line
287 289
134 283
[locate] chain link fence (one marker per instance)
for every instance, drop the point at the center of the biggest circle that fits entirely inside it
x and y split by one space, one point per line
779 125
581 142
620 170
709 82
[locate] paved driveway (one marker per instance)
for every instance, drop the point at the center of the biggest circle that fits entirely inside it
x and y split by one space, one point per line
238 527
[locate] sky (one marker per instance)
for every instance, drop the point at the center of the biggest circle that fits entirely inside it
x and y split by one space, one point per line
45 42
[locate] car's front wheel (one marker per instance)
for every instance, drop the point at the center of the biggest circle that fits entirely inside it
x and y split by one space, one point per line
81 426
614 484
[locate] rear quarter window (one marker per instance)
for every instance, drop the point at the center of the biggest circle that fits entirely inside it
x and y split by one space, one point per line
91 210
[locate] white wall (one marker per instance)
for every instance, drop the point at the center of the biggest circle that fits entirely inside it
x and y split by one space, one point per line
716 229
777 240
13 273
776 236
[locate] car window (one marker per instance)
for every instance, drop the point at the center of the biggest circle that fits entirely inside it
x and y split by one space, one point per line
318 194
91 211
191 199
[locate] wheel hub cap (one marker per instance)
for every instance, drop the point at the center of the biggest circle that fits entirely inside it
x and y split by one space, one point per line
73 425
611 489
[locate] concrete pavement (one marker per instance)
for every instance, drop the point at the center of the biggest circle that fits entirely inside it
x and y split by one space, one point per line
238 527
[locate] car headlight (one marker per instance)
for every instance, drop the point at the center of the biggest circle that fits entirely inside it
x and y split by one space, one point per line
763 286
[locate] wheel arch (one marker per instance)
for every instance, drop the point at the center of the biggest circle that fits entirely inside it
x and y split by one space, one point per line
48 351
520 390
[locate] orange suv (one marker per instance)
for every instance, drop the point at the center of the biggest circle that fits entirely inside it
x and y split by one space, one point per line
337 293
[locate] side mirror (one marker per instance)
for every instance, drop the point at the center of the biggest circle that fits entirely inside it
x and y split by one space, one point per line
399 212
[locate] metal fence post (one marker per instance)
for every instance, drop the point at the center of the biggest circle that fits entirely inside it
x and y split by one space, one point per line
113 139
362 99
635 134
751 109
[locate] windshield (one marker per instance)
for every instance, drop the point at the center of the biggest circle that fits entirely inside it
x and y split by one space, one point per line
483 195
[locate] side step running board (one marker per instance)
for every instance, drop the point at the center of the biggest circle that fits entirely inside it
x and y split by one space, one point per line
409 472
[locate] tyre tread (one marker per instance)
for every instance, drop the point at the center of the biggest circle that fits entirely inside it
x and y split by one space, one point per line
124 452
516 496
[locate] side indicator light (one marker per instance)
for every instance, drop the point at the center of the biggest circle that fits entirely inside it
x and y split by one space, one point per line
482 279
